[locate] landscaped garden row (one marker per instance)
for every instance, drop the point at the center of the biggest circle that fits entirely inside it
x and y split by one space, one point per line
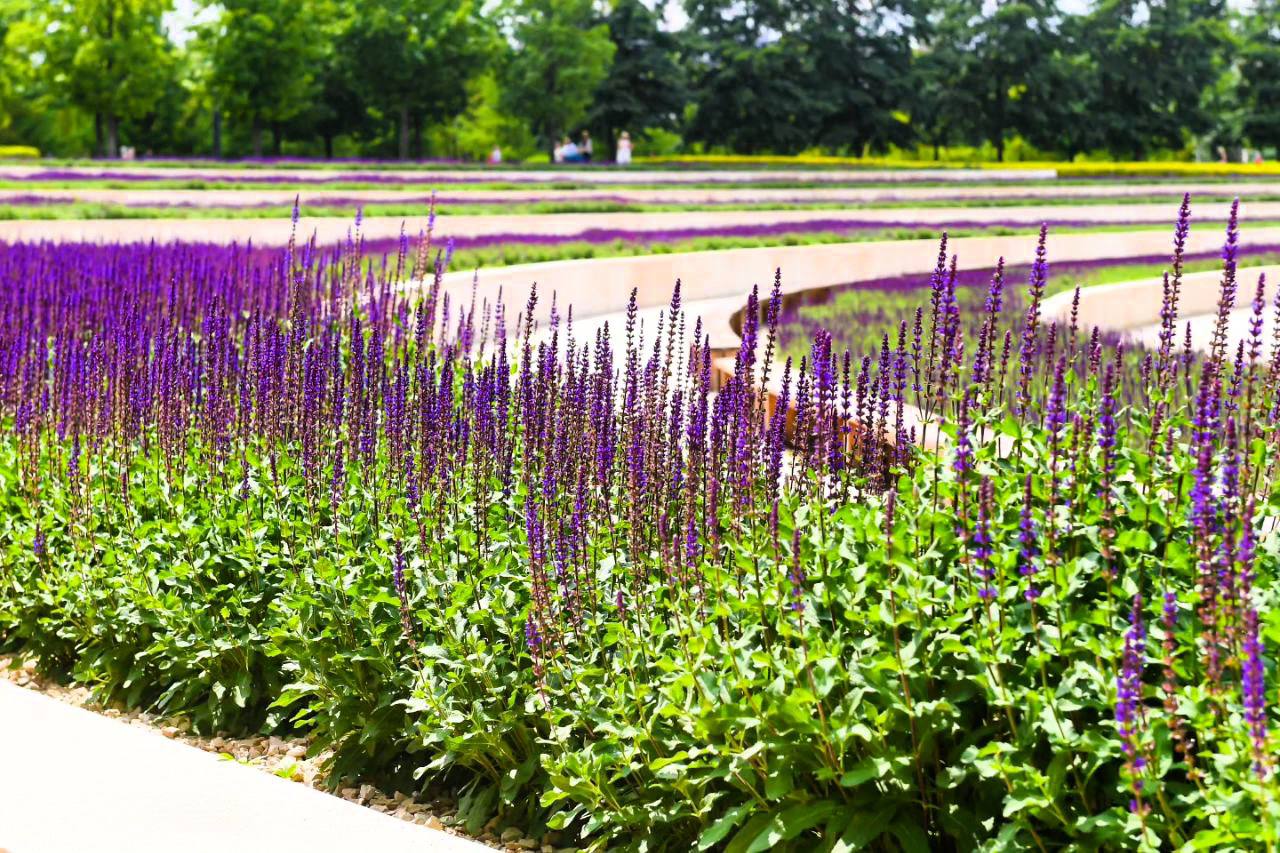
276 491
709 162
857 316
49 207
494 250
116 177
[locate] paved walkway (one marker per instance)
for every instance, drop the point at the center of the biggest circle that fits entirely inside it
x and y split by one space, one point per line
354 172
1133 307
72 781
843 195
328 229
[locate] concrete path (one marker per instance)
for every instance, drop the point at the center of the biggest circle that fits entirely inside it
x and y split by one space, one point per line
602 176
329 229
461 194
1133 307
72 781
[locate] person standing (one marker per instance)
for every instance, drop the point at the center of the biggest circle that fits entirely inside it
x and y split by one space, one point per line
585 147
624 149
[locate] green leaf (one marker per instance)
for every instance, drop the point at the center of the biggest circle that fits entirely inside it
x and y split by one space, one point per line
718 830
800 818
745 840
911 836
865 827
863 771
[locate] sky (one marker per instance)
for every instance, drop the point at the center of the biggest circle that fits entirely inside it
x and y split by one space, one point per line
187 13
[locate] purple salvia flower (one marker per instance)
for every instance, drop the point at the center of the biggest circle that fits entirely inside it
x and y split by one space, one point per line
1129 712
1029 546
982 544
402 592
796 575
1254 694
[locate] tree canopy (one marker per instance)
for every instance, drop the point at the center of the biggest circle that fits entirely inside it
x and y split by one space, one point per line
421 78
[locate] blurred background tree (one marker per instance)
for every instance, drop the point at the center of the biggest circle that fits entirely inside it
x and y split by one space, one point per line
958 79
647 86
108 58
560 54
263 55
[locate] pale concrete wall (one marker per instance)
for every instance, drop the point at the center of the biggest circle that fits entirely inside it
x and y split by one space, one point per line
1133 304
331 229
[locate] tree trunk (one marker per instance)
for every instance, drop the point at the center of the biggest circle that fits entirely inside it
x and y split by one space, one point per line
97 134
217 133
417 137
113 137
404 131
328 146
276 140
937 148
1000 147
256 133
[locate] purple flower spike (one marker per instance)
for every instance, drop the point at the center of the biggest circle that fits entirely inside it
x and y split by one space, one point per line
1029 545
1130 718
1254 694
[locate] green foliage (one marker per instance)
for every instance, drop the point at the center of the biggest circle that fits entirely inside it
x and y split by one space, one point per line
824 676
1260 75
647 85
891 707
262 56
473 134
431 78
109 58
561 56
411 59
782 77
1147 70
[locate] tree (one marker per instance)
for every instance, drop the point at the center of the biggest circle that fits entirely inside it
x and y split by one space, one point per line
108 57
938 112
1010 70
562 54
1154 62
262 58
647 85
861 64
1258 90
753 83
413 59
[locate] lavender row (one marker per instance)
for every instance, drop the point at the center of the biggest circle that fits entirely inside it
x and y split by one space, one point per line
275 490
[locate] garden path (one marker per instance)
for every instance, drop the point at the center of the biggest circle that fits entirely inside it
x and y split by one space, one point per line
850 195
542 176
715 282
329 229
73 781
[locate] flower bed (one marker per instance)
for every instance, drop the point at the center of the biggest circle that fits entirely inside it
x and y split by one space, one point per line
213 178
35 206
857 316
275 492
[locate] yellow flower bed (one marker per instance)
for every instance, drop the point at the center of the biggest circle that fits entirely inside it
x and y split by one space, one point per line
1171 169
18 152
805 160
1148 168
